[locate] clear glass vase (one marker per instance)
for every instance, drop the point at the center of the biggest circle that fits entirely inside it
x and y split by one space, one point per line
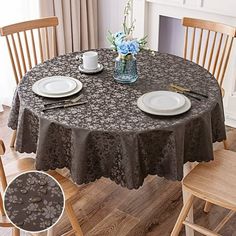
125 69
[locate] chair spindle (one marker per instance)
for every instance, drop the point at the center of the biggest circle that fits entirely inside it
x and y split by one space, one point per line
217 54
199 46
193 42
27 50
33 46
21 52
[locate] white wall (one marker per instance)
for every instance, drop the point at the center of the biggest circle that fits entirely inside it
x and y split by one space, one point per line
171 34
110 17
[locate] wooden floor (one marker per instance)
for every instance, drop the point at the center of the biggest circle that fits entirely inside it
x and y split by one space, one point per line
106 209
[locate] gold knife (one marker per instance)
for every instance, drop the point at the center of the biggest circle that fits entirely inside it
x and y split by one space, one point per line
64 106
188 95
187 90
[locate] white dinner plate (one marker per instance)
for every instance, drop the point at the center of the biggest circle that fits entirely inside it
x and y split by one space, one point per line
163 101
56 85
78 87
179 111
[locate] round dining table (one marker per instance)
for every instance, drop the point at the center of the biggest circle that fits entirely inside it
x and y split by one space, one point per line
110 136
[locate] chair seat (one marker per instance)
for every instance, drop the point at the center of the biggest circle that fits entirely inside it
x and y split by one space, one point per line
26 164
14 168
215 181
4 222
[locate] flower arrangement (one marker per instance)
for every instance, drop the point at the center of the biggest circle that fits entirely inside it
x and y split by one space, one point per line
123 42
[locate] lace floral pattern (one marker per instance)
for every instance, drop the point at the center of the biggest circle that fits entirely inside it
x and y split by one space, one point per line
109 136
34 201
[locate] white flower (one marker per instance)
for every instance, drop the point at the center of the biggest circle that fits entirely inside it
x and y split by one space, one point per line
12 198
49 212
33 207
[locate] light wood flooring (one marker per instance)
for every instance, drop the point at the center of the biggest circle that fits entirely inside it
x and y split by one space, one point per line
106 209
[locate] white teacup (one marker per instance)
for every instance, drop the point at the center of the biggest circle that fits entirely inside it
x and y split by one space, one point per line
90 60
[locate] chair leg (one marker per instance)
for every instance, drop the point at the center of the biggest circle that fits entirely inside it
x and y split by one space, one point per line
73 220
15 232
183 214
13 139
207 207
49 232
226 146
1 207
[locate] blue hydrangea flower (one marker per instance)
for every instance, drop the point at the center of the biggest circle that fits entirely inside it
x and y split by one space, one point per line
133 47
119 37
122 48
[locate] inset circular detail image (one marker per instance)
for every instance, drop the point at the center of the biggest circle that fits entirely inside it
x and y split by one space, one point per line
34 201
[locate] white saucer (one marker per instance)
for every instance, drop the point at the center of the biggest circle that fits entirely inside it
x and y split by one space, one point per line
93 71
36 89
179 111
162 101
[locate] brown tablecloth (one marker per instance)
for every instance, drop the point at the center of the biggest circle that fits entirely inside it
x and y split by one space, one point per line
110 136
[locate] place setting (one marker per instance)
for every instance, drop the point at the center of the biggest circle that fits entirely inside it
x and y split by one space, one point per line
169 103
57 87
164 103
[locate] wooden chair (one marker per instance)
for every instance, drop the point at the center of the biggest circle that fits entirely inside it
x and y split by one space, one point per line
25 164
3 220
214 182
28 44
214 53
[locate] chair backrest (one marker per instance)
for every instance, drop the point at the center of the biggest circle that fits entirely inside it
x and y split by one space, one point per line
214 53
29 43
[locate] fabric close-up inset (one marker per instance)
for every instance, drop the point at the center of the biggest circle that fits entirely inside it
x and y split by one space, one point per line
34 201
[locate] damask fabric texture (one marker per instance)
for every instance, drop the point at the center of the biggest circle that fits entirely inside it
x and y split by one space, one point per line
109 136
34 201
